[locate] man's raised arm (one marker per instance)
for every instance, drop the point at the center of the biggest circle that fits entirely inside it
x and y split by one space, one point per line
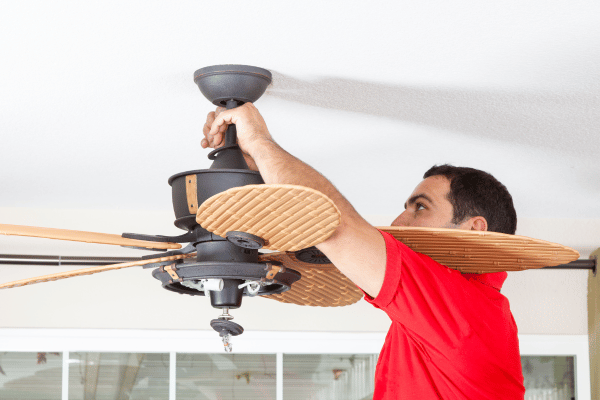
356 248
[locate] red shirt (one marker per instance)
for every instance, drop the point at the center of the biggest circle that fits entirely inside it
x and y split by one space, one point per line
452 335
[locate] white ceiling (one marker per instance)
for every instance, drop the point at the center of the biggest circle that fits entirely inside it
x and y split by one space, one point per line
98 106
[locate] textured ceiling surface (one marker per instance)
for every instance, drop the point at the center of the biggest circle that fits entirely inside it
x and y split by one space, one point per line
98 105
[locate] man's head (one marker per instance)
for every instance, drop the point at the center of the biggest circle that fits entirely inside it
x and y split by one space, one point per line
460 198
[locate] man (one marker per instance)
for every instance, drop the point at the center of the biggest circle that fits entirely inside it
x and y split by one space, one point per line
452 335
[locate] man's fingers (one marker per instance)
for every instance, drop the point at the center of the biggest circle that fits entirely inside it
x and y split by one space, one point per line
210 117
216 140
216 125
209 120
224 118
212 138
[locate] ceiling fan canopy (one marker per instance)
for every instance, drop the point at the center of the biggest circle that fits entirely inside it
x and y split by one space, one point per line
242 83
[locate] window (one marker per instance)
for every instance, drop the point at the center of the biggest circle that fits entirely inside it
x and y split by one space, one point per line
109 376
146 364
226 376
549 377
31 375
328 376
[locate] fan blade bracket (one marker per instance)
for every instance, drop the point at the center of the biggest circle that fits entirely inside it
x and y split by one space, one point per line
190 248
171 269
274 269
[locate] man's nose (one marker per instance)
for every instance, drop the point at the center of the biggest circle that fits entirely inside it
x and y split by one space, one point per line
401 220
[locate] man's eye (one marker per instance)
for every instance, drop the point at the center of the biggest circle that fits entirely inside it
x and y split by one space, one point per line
419 206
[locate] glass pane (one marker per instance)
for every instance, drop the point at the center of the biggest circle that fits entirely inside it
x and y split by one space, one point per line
328 376
226 376
30 376
549 377
109 376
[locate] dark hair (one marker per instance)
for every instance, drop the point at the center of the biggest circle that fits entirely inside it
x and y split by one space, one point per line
476 193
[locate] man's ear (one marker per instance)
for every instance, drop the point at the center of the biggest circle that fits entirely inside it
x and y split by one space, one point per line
475 224
479 224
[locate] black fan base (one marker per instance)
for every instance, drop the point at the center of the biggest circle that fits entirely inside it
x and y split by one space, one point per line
233 274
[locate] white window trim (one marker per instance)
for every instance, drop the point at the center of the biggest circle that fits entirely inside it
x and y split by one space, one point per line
253 342
563 345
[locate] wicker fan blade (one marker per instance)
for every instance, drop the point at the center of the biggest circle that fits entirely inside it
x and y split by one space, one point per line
82 236
321 285
482 252
467 251
287 217
89 271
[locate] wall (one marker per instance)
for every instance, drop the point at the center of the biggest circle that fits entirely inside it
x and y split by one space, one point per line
594 328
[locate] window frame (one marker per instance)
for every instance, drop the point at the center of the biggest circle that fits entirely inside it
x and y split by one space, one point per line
255 342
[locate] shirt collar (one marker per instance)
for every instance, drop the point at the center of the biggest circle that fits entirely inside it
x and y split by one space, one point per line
493 279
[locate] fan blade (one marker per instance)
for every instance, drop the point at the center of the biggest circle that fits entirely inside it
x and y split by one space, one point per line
82 236
91 270
321 285
478 252
481 251
287 217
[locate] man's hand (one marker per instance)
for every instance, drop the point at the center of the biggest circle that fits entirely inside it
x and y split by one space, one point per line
250 125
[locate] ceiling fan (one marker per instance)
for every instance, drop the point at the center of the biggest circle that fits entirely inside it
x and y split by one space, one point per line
228 214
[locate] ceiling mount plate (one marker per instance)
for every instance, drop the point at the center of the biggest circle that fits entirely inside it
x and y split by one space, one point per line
243 83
